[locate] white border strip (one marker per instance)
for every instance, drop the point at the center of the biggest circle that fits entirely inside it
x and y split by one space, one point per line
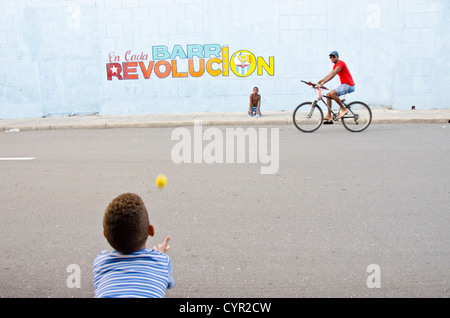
17 159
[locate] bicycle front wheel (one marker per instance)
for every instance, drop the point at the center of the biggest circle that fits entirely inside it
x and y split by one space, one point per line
308 117
358 118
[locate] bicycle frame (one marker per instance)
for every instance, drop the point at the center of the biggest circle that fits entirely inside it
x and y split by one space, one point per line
320 97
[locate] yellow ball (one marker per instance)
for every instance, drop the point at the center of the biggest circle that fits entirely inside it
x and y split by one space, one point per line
161 181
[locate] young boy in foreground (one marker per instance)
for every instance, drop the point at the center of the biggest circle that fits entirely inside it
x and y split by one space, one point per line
131 270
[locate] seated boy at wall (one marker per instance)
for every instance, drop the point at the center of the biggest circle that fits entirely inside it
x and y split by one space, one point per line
131 270
255 103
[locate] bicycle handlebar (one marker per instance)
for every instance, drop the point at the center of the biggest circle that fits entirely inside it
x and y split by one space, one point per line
314 85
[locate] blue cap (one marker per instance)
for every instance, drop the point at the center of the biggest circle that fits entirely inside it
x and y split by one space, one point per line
335 53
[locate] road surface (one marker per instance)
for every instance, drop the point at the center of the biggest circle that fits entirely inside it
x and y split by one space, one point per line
342 215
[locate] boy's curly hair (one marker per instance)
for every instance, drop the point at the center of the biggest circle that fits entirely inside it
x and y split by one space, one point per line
126 223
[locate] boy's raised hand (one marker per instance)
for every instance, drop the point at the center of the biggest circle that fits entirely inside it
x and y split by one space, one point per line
164 247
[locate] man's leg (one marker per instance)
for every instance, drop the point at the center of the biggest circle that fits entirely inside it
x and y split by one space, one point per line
333 94
328 116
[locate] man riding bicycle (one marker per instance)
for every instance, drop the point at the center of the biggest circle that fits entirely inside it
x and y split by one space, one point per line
347 84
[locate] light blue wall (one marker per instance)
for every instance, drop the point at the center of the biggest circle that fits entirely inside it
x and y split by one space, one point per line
54 54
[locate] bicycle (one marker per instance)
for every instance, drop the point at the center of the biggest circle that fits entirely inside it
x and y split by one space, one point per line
308 116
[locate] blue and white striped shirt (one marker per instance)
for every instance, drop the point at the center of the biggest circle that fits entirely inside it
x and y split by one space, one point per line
145 273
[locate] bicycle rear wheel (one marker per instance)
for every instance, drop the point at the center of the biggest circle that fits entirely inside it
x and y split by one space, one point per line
358 118
308 117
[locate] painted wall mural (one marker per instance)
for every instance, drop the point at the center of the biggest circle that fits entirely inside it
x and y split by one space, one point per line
195 60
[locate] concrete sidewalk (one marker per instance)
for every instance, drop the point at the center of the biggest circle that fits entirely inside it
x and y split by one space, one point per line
380 116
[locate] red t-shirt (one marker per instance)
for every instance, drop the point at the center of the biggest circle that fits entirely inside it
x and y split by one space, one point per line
344 74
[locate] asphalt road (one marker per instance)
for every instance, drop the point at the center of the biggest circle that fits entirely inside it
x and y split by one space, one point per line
338 203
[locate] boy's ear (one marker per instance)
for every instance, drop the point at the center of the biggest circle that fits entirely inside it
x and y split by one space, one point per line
151 230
